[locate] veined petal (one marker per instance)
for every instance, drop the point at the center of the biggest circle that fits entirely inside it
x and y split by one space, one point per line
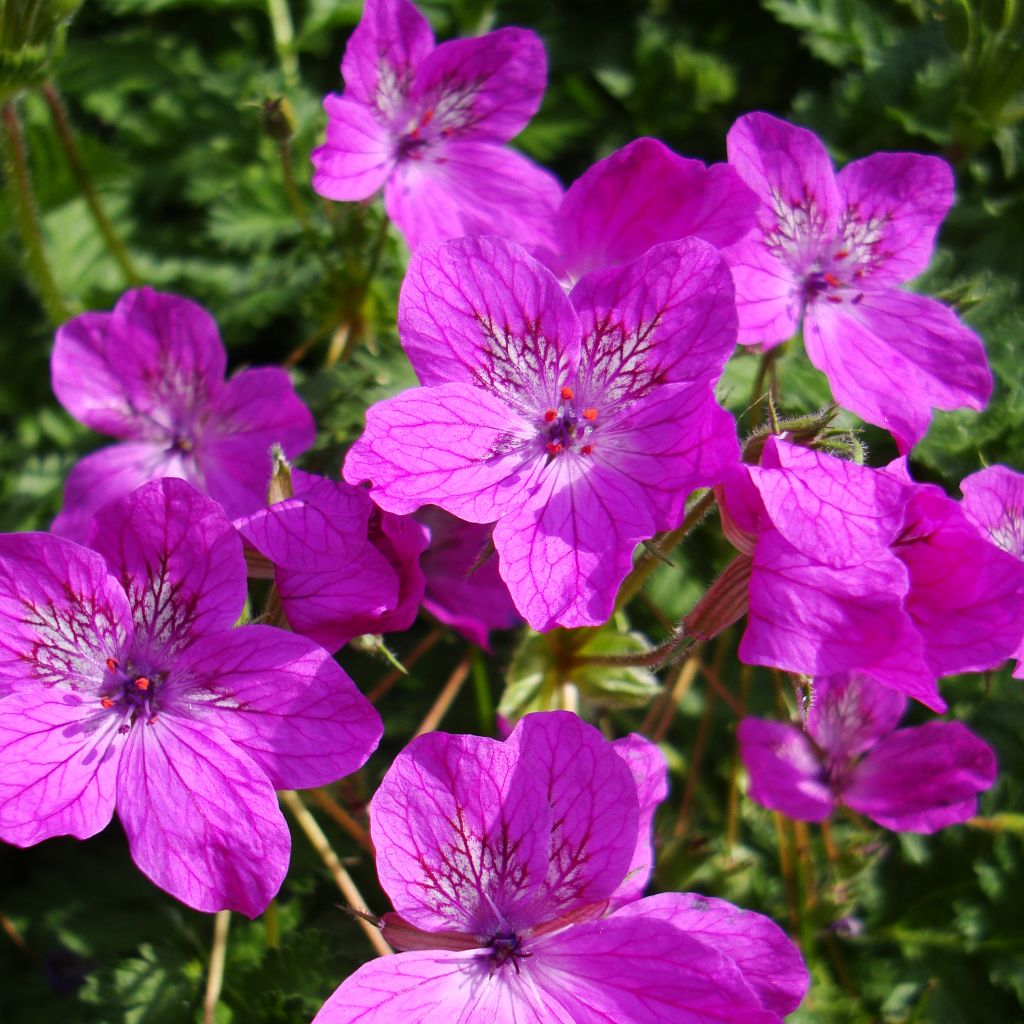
564 553
202 819
644 194
460 187
769 300
358 154
892 356
281 699
666 317
484 312
58 767
786 773
455 446
769 962
488 87
850 713
179 560
62 615
994 502
144 370
922 779
894 204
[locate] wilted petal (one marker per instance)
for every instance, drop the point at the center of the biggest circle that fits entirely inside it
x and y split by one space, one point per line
468 187
482 311
891 357
769 962
179 559
786 773
895 203
281 699
58 766
922 779
358 154
202 819
454 445
849 713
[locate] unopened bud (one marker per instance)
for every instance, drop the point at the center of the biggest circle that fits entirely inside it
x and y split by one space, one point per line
280 488
278 119
726 601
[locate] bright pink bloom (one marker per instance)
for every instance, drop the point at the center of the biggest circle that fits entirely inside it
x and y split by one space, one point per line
831 251
578 425
909 780
859 569
473 601
994 503
514 869
123 686
342 566
642 195
152 374
428 125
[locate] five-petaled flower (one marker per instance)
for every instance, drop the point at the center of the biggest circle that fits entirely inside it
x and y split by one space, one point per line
831 250
152 374
428 125
515 869
124 686
577 424
850 752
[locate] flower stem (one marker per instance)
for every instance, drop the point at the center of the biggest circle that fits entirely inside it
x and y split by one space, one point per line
283 29
218 957
385 684
482 691
59 113
447 695
26 214
663 710
344 819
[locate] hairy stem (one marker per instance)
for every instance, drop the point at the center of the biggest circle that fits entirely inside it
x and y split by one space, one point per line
218 957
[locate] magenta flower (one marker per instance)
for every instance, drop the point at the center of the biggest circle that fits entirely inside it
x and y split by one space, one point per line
151 373
994 503
642 195
908 780
578 425
861 570
342 566
831 252
124 687
514 868
428 125
473 601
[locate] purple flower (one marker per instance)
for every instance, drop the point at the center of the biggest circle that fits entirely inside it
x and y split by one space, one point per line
473 601
123 686
831 251
909 780
994 503
342 566
859 569
642 195
514 869
152 374
428 125
578 425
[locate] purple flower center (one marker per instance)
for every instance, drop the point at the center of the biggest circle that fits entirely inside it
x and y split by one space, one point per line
503 948
131 694
567 429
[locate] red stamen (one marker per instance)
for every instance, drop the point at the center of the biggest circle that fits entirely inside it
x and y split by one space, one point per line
152 721
428 116
142 683
550 415
107 702
586 449
831 279
112 665
842 254
590 414
567 393
833 298
554 448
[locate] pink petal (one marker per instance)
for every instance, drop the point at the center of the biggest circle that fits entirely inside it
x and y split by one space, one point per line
769 298
61 615
257 409
994 502
485 88
179 559
468 187
484 312
202 819
769 962
391 39
58 765
849 713
358 155
142 370
892 357
666 317
644 194
786 773
922 779
564 553
456 446
898 200
282 700
827 507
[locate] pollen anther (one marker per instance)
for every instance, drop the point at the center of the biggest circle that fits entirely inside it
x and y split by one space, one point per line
590 414
567 393
142 683
831 279
112 665
586 449
554 447
550 415
107 702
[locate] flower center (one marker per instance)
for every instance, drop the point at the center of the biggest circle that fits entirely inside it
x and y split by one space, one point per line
505 947
130 694
568 429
